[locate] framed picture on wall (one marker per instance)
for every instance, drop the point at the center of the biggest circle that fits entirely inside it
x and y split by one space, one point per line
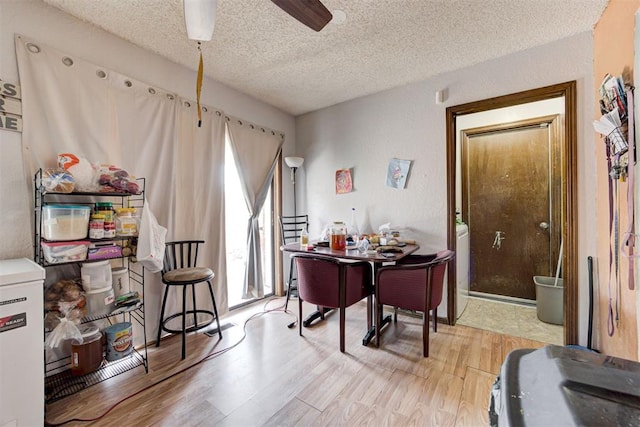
343 181
397 173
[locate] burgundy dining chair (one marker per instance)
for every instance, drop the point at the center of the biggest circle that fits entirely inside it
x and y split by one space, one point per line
414 283
332 283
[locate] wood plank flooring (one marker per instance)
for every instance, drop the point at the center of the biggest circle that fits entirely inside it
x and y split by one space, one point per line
276 378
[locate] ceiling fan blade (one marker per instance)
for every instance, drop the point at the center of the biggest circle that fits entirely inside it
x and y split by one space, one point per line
311 13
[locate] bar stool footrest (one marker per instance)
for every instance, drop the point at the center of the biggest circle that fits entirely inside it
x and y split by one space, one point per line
190 328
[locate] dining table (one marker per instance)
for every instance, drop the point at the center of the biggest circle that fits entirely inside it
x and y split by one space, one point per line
378 256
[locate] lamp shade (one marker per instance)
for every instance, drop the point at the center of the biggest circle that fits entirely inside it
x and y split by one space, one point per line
294 162
200 18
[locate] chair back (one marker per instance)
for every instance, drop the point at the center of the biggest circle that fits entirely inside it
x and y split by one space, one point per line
405 284
292 226
319 280
181 254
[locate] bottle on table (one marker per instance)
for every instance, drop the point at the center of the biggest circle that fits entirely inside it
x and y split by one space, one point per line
353 230
304 238
338 236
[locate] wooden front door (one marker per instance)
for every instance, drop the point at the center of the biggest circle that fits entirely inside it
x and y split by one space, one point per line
511 202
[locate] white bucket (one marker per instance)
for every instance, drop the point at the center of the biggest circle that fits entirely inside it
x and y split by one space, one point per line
95 275
100 302
549 299
120 282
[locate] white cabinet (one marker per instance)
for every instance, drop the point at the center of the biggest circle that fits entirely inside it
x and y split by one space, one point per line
21 336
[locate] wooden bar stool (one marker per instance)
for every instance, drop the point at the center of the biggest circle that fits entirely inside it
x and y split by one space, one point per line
180 258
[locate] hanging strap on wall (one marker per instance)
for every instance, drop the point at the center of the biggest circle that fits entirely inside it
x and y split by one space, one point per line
616 105
199 85
612 248
629 238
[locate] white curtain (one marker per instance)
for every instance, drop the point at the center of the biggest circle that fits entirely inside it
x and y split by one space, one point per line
200 193
72 106
256 151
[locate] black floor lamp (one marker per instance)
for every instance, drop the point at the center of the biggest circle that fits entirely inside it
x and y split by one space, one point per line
294 163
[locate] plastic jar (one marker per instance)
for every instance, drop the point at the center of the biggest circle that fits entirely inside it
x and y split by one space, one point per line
126 222
106 209
86 354
338 236
120 280
96 226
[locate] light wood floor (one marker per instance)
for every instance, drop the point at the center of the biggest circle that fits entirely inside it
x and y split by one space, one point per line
276 378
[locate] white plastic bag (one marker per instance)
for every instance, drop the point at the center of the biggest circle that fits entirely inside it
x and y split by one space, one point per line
66 330
151 240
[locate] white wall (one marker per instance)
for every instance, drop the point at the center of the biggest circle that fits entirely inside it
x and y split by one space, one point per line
362 134
36 20
405 122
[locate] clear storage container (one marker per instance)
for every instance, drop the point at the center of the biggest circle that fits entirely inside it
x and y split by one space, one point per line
126 222
65 222
57 252
100 302
95 275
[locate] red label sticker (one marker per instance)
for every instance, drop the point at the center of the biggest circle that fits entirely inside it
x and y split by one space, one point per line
12 322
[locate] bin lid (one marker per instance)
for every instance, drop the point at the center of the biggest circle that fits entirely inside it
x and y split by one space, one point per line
21 270
555 386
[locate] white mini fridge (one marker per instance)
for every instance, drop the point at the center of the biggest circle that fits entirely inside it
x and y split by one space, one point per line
21 343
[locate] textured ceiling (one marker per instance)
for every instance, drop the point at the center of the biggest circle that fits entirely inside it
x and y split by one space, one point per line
260 50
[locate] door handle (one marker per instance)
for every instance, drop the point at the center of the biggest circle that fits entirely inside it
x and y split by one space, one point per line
544 225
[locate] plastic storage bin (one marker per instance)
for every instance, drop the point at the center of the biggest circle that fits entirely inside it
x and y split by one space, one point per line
95 275
57 252
561 386
65 222
100 302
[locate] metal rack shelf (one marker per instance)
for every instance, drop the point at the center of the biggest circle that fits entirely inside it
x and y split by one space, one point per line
65 383
59 381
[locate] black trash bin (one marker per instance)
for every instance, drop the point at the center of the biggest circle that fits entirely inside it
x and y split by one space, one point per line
563 386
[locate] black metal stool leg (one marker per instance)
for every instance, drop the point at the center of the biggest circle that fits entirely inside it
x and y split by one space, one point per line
161 325
289 285
195 313
215 308
184 321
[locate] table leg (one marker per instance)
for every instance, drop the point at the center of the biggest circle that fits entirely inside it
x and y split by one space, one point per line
319 313
371 329
371 332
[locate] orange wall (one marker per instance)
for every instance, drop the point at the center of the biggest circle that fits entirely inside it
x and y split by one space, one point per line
613 54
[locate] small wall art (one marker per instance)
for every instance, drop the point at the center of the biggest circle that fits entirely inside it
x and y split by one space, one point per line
343 181
397 173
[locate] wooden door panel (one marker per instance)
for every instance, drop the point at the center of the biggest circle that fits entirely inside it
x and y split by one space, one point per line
507 179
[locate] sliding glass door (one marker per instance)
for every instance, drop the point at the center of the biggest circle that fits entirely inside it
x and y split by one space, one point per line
237 216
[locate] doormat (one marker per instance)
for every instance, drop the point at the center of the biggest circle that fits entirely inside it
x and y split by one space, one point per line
223 326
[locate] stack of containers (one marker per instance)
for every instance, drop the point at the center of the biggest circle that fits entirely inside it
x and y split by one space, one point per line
97 284
64 226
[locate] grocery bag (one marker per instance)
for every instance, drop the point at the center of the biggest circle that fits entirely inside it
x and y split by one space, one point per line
151 240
